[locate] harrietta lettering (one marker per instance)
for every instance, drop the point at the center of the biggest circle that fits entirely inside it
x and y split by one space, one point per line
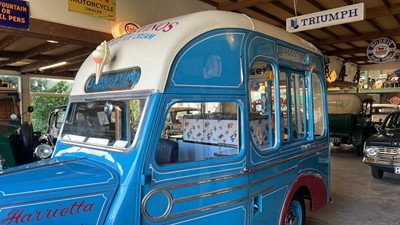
21 216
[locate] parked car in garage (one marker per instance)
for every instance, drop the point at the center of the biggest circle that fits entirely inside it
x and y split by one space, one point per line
16 137
380 111
174 120
350 119
381 151
48 140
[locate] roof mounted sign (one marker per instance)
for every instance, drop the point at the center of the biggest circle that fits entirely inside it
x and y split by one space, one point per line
114 80
326 18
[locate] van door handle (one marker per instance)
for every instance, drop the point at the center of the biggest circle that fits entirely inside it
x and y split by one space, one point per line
245 170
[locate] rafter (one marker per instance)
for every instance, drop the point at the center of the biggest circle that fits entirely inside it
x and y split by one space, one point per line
77 55
63 33
231 6
361 37
32 52
8 40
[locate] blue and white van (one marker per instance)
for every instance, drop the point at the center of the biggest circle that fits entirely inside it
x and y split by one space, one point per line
251 146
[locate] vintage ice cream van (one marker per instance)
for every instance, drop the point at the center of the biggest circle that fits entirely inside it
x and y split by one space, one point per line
253 147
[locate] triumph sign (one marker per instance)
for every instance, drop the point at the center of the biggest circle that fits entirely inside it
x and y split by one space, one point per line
326 18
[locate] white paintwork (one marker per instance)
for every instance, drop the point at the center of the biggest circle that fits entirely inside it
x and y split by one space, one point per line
155 56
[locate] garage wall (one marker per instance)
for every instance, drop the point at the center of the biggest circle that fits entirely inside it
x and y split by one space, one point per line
138 11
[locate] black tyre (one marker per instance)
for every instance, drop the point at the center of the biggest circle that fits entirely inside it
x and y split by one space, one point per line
296 214
26 134
377 174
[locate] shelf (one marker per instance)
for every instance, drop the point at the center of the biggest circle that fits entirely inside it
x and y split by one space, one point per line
366 91
342 91
379 90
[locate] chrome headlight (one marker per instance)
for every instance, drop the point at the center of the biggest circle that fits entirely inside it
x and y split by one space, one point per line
43 151
371 151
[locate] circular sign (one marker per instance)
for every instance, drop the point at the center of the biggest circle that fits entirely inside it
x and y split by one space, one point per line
130 27
381 50
122 28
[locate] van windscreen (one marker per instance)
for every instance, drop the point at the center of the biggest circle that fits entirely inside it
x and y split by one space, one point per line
107 123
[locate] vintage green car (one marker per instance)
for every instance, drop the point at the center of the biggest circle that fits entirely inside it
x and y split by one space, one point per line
350 119
16 138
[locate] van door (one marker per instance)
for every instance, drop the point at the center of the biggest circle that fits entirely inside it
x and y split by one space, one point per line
197 167
267 190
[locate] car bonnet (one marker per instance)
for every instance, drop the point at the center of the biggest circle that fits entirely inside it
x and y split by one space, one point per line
72 191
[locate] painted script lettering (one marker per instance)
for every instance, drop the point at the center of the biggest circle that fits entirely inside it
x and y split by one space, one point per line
27 215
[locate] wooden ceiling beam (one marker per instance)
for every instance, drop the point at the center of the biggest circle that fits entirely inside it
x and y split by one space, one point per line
210 2
386 3
382 11
268 15
361 37
77 55
8 40
347 51
10 68
231 6
397 18
32 52
42 29
8 54
70 67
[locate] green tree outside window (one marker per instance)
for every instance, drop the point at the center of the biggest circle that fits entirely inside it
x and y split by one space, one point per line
47 94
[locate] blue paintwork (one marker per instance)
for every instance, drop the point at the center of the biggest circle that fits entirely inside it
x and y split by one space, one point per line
56 191
111 187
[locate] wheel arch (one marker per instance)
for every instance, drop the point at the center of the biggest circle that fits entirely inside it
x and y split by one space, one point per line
311 185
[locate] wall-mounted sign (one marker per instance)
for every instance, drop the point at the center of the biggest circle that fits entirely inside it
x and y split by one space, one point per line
114 80
14 14
381 50
326 18
122 28
104 9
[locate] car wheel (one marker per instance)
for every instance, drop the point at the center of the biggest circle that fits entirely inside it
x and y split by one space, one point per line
27 142
377 174
296 214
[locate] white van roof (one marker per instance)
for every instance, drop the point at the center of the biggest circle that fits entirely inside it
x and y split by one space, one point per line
153 47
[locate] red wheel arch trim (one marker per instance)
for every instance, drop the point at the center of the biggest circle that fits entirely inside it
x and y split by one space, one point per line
317 189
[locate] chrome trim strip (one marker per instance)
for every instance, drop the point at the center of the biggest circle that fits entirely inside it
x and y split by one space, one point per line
303 155
208 194
122 95
168 209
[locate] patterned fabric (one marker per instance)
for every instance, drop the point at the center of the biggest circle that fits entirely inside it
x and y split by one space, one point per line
259 131
211 131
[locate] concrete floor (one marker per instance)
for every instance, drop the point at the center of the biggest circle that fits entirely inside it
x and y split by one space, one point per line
358 198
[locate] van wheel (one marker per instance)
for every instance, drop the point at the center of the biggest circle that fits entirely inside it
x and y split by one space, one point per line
296 214
377 174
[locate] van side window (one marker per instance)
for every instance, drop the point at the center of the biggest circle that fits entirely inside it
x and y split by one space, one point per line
294 92
319 125
195 131
262 107
299 93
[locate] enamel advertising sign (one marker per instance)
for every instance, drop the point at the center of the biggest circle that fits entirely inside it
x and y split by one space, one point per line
104 9
326 18
14 14
381 50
